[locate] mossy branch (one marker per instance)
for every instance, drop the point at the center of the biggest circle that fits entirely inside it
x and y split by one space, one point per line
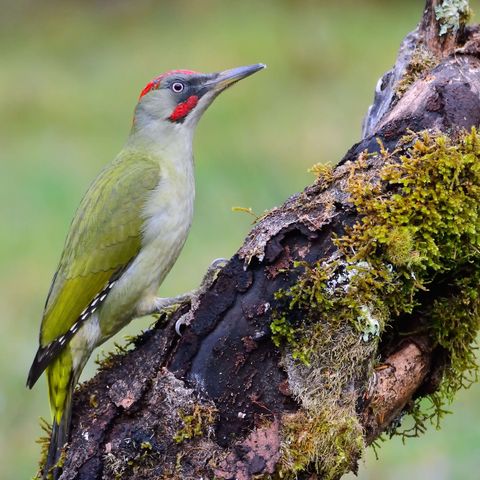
343 308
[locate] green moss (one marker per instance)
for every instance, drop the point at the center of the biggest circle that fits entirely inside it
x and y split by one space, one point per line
421 62
324 173
455 324
435 205
195 423
331 441
327 296
146 446
400 247
44 442
126 462
283 331
419 223
306 295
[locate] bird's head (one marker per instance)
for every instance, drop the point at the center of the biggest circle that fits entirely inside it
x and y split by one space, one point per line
177 99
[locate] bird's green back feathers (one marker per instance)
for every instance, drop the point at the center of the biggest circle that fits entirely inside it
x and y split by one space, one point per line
104 237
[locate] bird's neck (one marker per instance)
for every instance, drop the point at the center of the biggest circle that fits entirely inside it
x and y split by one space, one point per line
170 206
168 142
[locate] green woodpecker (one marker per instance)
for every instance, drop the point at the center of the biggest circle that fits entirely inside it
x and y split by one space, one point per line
125 237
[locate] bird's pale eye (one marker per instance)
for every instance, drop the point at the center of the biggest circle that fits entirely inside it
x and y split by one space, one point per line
178 87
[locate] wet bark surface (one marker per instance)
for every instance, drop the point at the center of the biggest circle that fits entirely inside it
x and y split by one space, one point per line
125 419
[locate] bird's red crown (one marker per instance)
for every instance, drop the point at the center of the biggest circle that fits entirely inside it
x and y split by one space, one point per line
154 84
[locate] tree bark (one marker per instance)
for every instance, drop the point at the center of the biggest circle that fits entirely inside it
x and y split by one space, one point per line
213 402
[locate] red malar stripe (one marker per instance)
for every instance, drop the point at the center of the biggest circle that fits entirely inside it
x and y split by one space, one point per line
184 108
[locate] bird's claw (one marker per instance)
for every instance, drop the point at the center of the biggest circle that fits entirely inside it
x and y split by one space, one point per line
218 263
212 273
183 321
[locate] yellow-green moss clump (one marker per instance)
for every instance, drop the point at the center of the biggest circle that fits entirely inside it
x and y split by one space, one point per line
323 172
325 434
140 458
419 223
44 442
436 205
195 423
331 440
421 62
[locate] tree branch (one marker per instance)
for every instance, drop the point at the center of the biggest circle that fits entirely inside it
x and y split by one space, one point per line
223 401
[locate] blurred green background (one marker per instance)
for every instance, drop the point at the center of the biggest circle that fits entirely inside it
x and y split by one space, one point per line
70 74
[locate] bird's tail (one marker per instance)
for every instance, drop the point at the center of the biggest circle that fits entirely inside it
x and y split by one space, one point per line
60 386
58 440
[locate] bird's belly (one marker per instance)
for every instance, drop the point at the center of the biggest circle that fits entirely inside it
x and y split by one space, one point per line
165 232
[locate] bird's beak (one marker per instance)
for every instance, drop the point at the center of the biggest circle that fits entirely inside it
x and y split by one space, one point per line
225 79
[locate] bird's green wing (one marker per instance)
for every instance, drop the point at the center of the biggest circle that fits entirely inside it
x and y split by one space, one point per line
104 237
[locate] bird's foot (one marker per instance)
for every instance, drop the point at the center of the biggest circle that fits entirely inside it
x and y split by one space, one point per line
170 305
212 273
207 281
